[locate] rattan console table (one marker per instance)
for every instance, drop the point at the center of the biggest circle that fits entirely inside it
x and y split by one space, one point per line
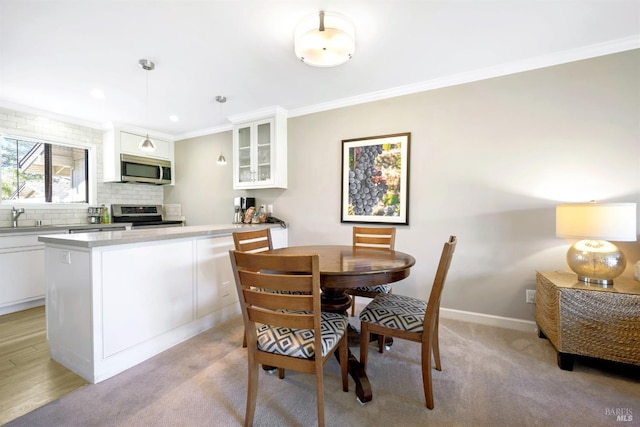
588 320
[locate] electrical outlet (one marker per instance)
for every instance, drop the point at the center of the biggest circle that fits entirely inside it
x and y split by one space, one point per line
531 296
226 289
65 257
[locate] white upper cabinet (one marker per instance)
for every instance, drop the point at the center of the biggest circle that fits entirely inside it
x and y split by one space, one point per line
260 149
126 140
130 144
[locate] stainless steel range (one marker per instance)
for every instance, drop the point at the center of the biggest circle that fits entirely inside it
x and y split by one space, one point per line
142 216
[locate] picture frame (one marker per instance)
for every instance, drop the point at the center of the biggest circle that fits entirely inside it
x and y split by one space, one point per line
375 179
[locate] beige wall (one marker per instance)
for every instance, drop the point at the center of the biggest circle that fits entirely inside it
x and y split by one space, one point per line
203 188
489 162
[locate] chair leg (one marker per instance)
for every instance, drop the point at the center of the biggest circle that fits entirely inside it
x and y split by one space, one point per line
381 337
344 362
364 344
320 396
244 339
436 345
252 392
426 372
353 305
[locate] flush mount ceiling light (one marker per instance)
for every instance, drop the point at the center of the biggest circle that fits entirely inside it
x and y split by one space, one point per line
146 144
326 39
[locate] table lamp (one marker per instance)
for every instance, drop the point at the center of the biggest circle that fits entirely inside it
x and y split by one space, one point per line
595 260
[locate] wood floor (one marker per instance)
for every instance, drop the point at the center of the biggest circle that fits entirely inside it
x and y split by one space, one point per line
28 377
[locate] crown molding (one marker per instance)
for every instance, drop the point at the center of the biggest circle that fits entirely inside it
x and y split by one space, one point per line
238 118
259 114
203 132
50 115
543 61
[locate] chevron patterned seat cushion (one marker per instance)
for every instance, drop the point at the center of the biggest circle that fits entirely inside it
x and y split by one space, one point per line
395 312
286 292
381 289
299 342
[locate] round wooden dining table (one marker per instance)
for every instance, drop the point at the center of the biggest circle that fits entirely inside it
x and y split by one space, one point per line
343 267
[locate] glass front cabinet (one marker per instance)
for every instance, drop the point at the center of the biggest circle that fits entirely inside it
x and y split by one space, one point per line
260 151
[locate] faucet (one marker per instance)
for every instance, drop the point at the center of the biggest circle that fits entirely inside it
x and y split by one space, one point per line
15 213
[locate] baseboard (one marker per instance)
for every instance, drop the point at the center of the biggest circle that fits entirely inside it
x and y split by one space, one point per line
488 319
446 313
21 306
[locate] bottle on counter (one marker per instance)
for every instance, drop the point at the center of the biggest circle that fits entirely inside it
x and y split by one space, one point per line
248 215
106 219
237 215
262 214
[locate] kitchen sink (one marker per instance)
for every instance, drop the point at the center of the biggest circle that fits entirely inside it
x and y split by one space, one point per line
33 228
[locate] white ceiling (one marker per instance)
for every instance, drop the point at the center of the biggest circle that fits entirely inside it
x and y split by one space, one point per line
54 52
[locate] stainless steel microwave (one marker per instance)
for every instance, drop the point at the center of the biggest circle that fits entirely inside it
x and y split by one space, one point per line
145 169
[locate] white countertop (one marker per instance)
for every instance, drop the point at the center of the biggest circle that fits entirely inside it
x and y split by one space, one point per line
122 237
60 228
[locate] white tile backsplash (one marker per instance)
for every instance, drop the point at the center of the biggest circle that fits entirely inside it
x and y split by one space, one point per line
107 192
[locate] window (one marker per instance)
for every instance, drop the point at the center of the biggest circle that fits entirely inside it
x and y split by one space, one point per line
43 172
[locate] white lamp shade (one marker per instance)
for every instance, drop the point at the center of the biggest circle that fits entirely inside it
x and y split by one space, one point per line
333 46
597 221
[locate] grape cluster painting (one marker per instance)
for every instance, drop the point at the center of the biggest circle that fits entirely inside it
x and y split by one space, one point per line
375 179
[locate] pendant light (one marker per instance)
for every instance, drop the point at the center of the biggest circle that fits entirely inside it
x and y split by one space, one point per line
146 144
221 99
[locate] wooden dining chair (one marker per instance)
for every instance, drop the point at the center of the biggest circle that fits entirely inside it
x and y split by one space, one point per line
371 237
253 241
287 330
410 319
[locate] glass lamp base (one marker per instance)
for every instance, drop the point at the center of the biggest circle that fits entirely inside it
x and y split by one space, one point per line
596 261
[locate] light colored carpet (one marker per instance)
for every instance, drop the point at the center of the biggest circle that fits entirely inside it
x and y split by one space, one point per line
490 377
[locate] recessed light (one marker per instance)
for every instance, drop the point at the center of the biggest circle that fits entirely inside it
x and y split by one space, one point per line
174 118
97 94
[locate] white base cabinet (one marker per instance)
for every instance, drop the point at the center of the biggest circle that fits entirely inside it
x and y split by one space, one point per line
22 265
112 307
141 297
214 267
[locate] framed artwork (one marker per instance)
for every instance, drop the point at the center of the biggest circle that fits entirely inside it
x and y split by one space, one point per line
375 179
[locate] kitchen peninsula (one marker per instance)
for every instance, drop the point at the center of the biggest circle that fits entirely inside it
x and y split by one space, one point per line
117 298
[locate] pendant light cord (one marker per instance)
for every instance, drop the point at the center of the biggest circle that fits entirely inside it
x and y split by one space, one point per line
147 144
147 105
